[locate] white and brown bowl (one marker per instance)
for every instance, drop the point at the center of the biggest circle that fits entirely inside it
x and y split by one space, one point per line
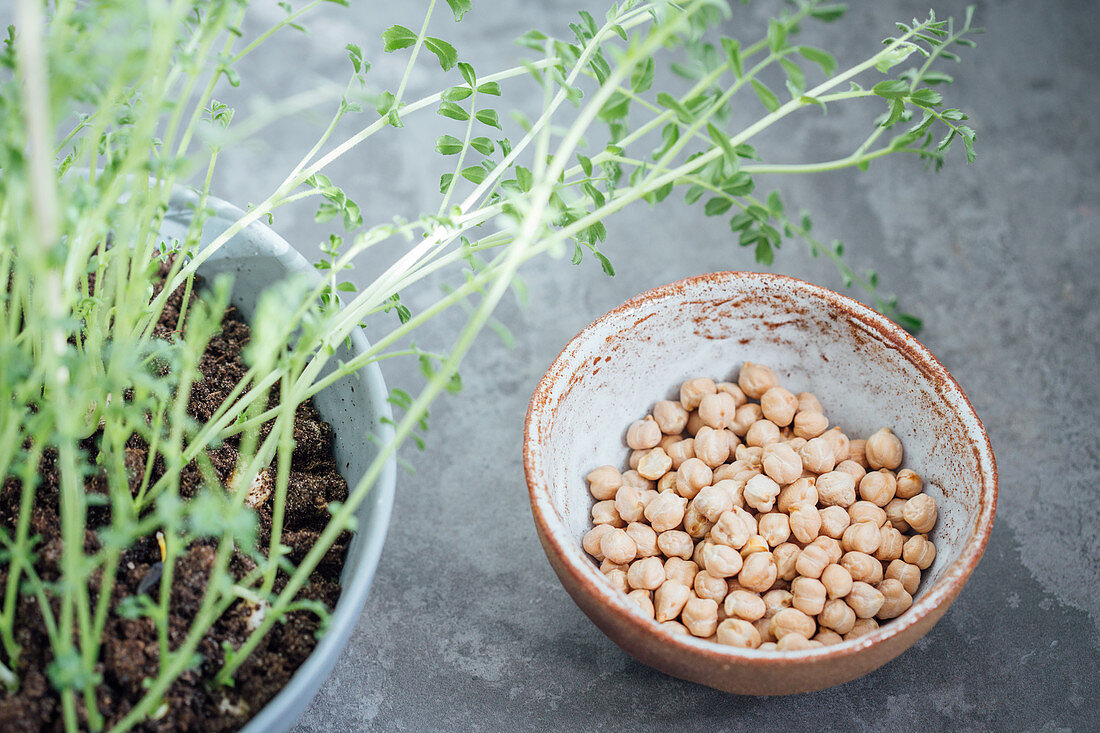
867 372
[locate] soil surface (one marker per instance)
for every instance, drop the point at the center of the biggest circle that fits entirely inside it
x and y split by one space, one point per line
130 648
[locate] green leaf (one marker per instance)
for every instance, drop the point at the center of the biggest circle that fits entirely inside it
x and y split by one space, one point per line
777 35
605 264
482 145
893 57
488 117
444 51
489 87
448 145
717 206
766 96
356 55
459 8
641 78
805 99
775 203
474 173
533 40
445 182
670 133
586 164
828 13
452 110
937 77
823 59
741 222
468 74
384 103
397 37
723 142
739 184
668 101
764 253
616 107
891 89
524 178
926 98
457 94
795 76
733 56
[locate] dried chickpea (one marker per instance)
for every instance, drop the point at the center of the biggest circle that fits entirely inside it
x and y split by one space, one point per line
649 495
861 627
808 402
618 547
865 600
812 561
717 410
760 493
744 418
669 600
890 544
817 455
733 391
692 475
643 434
809 424
779 405
762 432
694 423
645 539
654 464
909 483
768 646
756 543
646 574
695 524
607 566
853 469
796 643
722 561
603 482
644 601
667 482
667 441
805 523
733 528
674 627
796 444
809 595
758 572
618 580
756 379
712 501
919 551
906 574
838 616
751 457
897 599
883 450
857 452
828 637
862 566
781 463
674 543
635 479
895 515
681 451
670 416
712 446
666 511
786 557
834 520
603 512
680 570
878 487
861 537
629 503
694 390
791 621
835 488
700 616
920 513
745 605
774 602
738 632
710 586
636 458
840 443
832 548
592 538
837 580
800 492
774 527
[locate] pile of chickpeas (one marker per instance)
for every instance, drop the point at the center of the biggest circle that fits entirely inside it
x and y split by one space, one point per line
746 520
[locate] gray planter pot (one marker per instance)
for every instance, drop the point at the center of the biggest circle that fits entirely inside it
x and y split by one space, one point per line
355 406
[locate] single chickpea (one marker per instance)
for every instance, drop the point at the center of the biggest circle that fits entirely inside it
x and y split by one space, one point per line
654 464
865 511
756 543
836 488
603 512
649 495
710 586
792 621
808 402
812 560
666 511
646 574
732 441
862 566
618 547
897 599
643 434
906 574
768 646
834 520
733 391
838 616
884 450
800 492
751 457
796 643
674 627
692 475
832 547
760 493
817 455
700 616
809 424
756 379
919 551
717 410
786 557
745 605
674 543
635 479
700 548
779 405
644 601
670 416
809 595
629 504
890 544
712 446
733 528
694 390
758 572
722 561
725 472
645 539
607 566
618 580
828 637
878 487
667 482
762 432
920 513
669 600
603 482
909 483
694 423
865 600
744 418
861 627
695 524
712 501
680 570
763 627
797 444
774 527
840 443
857 452
592 539
805 523
636 458
781 463
681 451
837 580
738 632
853 469
775 601
895 514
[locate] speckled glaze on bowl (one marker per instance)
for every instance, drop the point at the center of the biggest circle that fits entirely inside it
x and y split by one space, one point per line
867 372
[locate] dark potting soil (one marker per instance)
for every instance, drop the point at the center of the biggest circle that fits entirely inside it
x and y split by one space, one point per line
130 649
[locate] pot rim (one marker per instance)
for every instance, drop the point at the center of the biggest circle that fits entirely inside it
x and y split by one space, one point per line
555 535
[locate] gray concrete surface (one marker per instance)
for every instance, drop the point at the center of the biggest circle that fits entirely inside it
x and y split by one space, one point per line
468 628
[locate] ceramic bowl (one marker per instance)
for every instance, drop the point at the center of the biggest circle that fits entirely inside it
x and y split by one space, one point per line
867 372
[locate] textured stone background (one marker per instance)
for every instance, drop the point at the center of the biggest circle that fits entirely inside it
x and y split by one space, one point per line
467 626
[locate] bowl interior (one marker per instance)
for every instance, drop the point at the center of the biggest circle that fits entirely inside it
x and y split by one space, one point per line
866 372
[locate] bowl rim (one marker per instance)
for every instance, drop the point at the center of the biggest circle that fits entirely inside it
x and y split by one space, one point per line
555 535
